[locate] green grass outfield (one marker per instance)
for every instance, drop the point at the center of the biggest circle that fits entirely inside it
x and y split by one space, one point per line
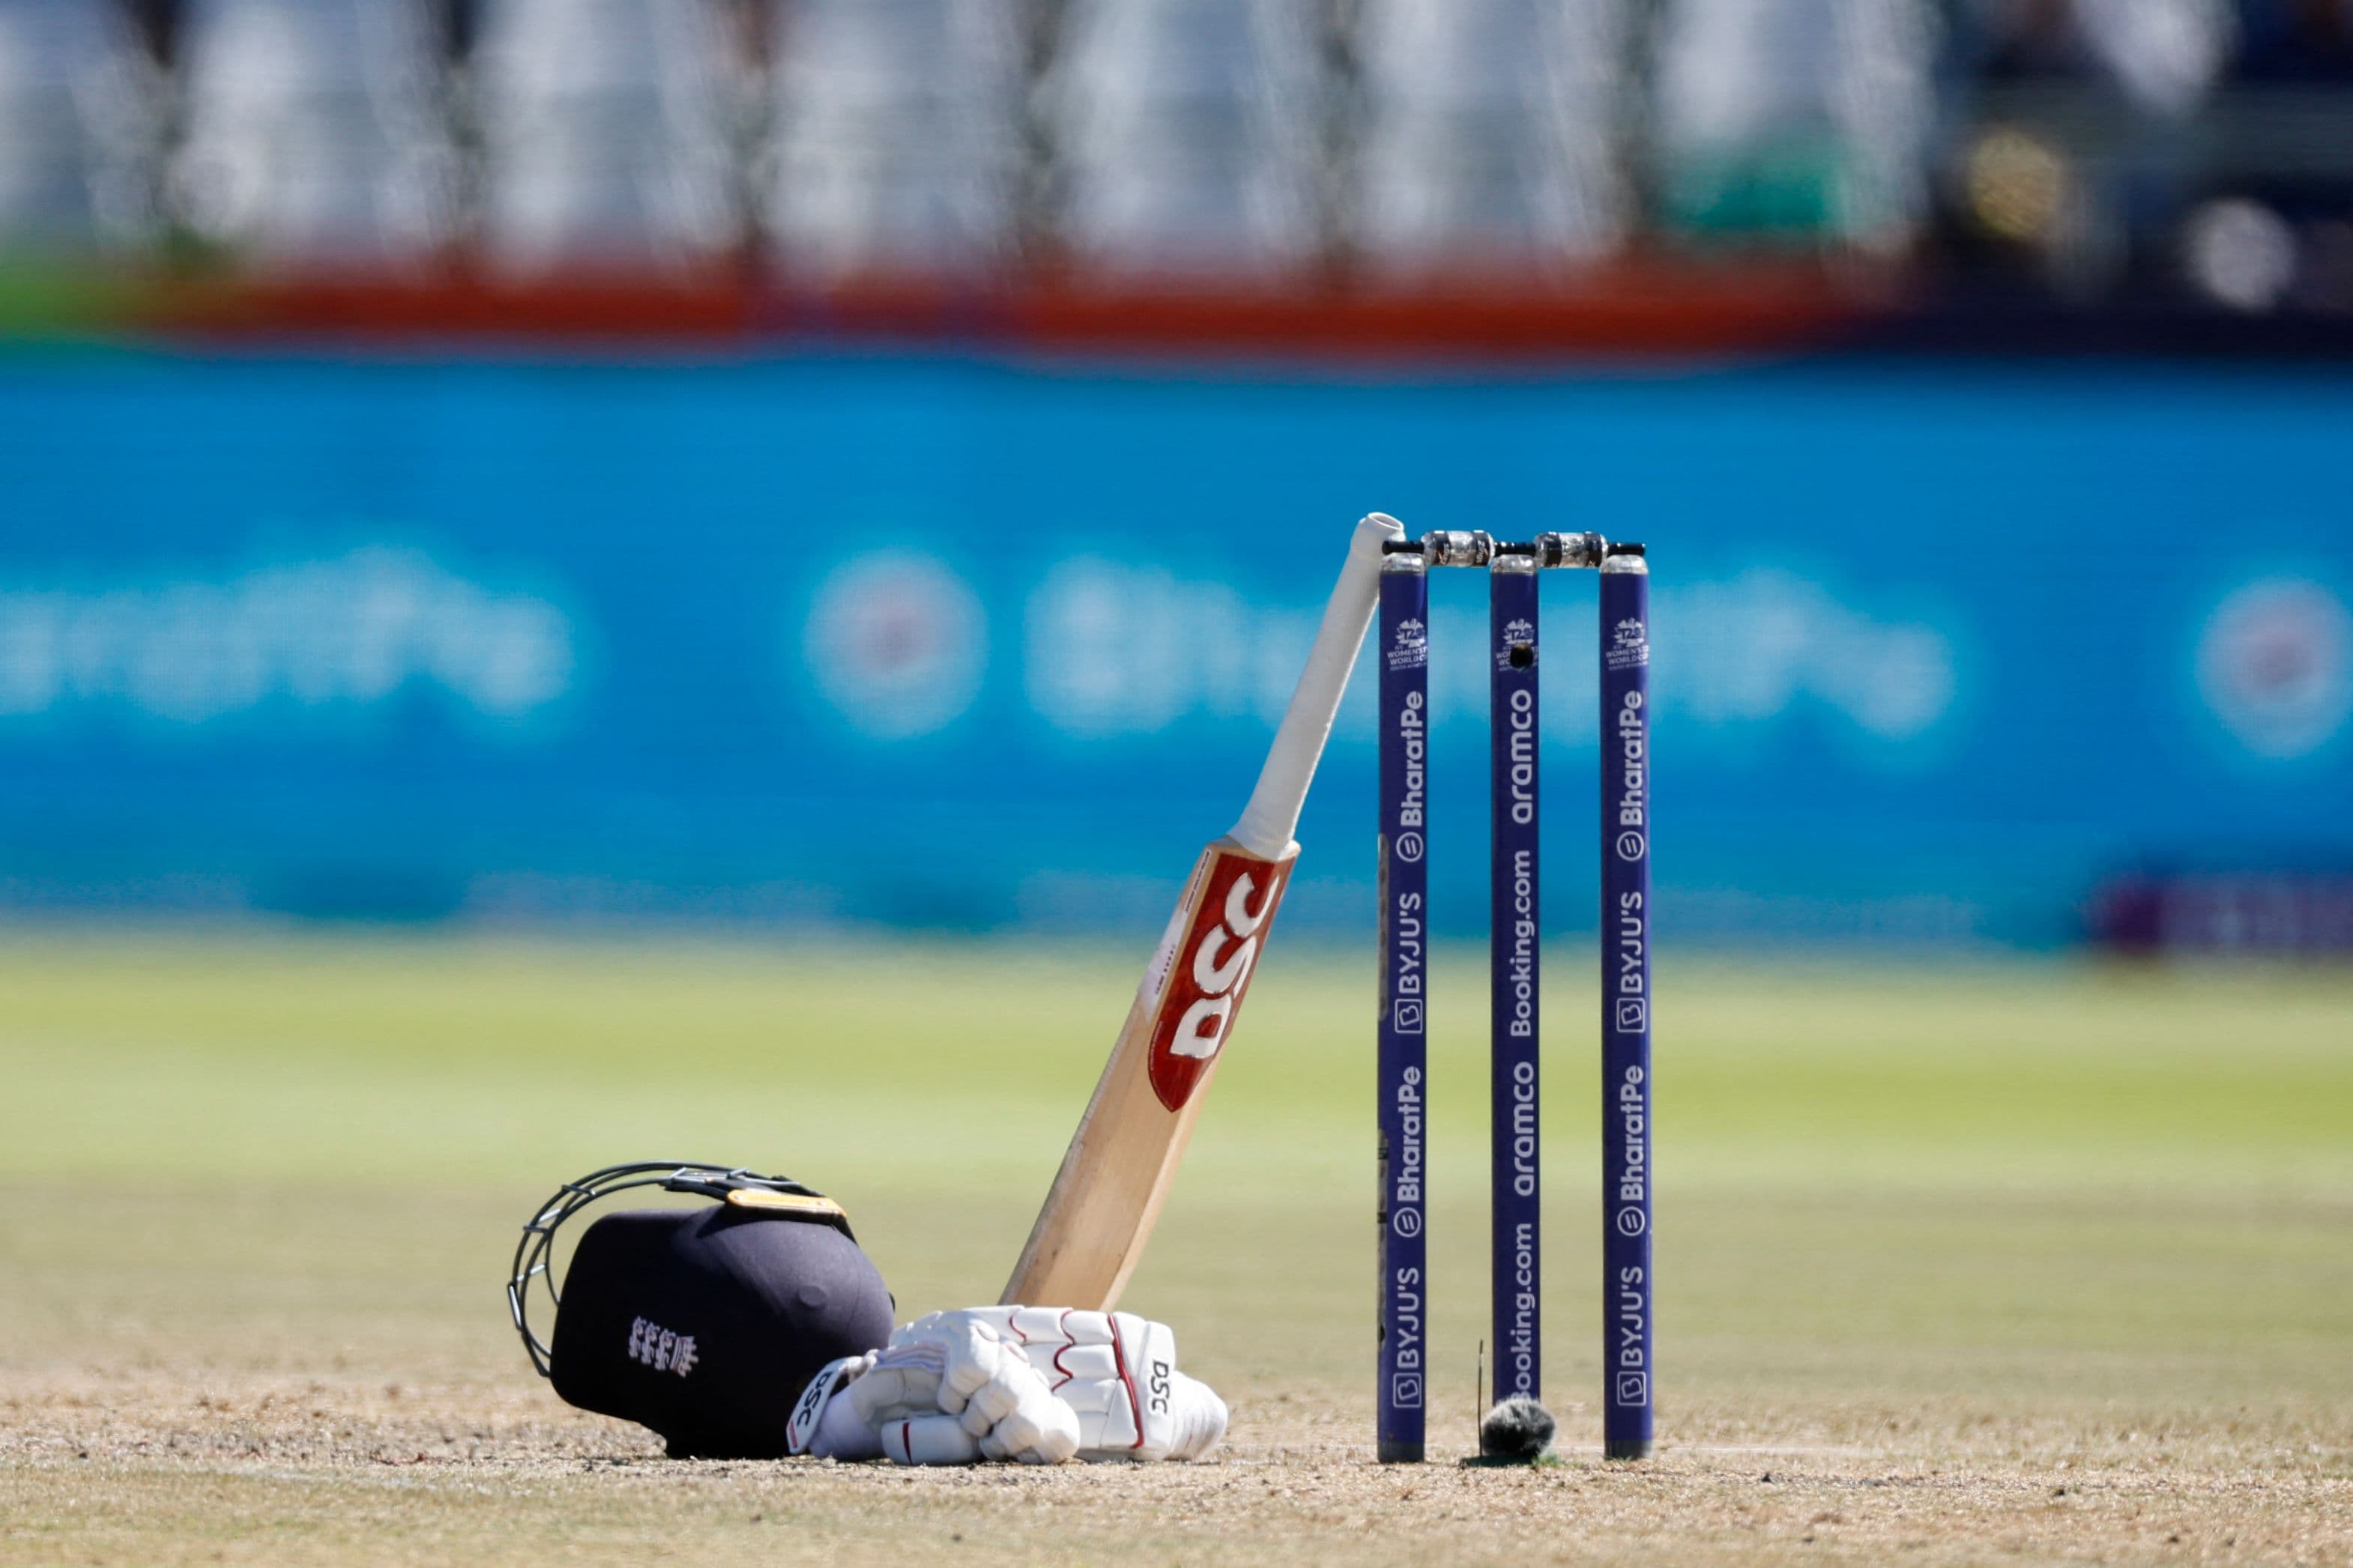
2005 1211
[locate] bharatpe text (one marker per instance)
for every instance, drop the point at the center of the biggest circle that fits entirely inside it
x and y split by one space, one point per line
1404 960
1626 1007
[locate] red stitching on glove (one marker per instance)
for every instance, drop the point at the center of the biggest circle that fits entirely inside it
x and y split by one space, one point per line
1119 1353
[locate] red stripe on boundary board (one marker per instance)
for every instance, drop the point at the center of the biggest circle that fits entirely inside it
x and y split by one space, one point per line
1658 306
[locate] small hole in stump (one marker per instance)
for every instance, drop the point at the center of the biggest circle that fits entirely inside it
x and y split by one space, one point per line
1523 655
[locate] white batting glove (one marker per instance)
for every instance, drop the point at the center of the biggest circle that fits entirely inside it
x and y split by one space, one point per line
1118 1372
947 1391
1036 1384
882 1403
826 1425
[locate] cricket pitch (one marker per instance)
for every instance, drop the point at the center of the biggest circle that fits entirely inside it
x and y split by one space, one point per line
2003 1262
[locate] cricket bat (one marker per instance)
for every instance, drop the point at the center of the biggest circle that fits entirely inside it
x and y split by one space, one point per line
1100 1209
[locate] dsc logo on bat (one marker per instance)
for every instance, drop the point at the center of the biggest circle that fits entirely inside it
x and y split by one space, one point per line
1208 968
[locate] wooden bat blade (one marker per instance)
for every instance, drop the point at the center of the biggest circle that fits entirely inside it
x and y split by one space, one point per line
1118 1170
1116 1174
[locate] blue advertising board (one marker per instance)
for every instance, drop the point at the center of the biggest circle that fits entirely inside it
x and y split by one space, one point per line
967 645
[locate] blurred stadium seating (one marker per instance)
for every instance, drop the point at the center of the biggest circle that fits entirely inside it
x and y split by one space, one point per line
313 132
77 129
602 133
1802 122
1490 135
898 136
1187 135
2158 159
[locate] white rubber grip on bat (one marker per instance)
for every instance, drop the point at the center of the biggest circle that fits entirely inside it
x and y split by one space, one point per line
1273 815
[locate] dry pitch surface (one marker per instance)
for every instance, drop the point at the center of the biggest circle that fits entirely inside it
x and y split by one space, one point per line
2001 1264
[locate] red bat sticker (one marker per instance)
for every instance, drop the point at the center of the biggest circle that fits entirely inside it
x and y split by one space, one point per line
1209 970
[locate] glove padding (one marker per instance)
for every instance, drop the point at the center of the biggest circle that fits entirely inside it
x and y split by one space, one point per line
825 1425
947 1391
1035 1385
1118 1372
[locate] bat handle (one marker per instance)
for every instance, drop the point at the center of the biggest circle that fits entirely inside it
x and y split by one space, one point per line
1273 815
